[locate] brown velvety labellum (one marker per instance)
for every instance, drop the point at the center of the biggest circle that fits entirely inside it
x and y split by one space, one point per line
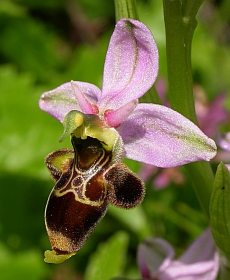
70 222
78 201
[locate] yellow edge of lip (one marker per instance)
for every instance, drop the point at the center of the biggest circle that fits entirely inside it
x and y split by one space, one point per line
52 257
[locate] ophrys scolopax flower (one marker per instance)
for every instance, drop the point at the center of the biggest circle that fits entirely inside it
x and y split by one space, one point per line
105 126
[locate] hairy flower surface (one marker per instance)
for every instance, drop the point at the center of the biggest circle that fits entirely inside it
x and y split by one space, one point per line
106 125
200 261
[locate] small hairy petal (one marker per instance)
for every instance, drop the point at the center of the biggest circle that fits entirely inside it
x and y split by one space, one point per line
59 101
131 64
115 117
162 137
79 91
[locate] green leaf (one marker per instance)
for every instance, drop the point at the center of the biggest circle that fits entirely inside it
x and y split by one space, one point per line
30 45
28 134
108 260
11 8
26 265
220 209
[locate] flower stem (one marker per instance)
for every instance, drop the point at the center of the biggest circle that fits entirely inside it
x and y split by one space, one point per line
179 31
125 9
180 24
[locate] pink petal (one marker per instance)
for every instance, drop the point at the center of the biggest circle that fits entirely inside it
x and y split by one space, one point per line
154 256
204 270
157 135
200 261
131 64
201 249
79 90
115 117
59 101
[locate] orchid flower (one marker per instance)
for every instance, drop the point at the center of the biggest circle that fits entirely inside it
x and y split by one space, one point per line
105 126
151 133
200 261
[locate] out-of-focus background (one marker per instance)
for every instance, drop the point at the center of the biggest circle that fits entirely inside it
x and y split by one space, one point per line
44 44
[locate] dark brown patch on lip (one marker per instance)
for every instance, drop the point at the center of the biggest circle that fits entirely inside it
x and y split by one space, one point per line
73 220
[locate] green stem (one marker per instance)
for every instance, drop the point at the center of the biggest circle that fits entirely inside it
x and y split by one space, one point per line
178 47
125 9
180 23
201 176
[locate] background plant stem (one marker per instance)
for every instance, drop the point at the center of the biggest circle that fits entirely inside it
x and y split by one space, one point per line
125 9
180 23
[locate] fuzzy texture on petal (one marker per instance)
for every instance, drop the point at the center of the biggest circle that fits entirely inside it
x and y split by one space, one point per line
199 262
59 101
157 135
80 90
115 117
131 64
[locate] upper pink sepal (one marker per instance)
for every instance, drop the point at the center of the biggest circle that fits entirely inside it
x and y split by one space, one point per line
131 64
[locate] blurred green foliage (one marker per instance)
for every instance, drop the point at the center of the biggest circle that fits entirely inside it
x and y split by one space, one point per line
44 44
